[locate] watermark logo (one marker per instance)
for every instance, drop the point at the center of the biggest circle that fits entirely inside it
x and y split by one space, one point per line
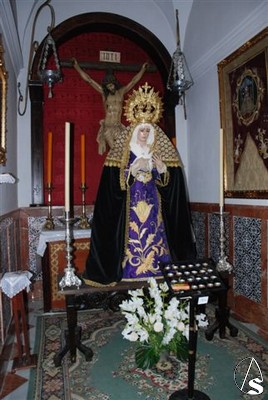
248 377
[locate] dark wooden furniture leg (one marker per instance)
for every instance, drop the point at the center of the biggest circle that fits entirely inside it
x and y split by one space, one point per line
72 335
222 316
107 297
24 359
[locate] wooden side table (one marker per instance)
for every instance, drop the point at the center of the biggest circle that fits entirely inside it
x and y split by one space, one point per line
102 297
14 285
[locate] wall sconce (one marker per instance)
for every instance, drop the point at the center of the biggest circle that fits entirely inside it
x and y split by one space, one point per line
46 75
179 79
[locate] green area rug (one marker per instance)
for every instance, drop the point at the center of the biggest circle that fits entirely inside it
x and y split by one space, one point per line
112 374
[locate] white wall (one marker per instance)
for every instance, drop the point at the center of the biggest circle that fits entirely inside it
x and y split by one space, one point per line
215 29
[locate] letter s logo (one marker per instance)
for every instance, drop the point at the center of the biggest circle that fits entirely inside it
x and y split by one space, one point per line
254 383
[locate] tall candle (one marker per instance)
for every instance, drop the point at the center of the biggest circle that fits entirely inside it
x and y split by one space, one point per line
221 170
67 166
83 159
49 158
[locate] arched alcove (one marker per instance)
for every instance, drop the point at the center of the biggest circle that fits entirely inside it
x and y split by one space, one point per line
92 23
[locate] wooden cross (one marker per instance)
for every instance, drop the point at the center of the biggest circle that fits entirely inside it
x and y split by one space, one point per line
107 65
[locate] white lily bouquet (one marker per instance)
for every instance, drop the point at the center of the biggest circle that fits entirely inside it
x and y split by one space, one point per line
157 324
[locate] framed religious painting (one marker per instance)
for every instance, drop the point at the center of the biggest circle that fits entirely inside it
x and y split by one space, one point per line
243 84
3 105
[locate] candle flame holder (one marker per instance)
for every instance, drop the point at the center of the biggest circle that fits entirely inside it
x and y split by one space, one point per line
223 265
84 223
69 278
49 224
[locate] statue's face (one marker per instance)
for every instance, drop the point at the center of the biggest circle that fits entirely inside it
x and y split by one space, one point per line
111 88
143 134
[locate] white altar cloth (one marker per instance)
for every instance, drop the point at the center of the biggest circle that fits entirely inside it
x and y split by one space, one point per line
59 234
14 282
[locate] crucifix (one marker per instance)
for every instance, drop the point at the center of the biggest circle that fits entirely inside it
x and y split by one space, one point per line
112 93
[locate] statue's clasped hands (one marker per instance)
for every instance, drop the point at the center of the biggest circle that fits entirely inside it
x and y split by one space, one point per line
140 164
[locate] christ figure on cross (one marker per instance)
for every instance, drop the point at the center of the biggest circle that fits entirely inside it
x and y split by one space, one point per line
113 96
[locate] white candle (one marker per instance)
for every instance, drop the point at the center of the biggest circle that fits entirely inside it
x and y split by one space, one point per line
67 166
221 170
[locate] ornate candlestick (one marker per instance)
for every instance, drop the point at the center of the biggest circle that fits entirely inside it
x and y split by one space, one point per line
84 223
223 265
69 278
49 224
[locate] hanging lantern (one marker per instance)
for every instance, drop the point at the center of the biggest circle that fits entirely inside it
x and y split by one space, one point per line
179 79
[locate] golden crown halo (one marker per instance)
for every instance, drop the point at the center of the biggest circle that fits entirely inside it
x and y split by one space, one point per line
143 105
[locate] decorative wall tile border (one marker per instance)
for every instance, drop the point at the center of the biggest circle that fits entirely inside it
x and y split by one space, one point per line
199 226
35 225
247 257
247 235
214 235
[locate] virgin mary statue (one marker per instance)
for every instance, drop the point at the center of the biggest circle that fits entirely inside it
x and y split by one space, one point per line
141 215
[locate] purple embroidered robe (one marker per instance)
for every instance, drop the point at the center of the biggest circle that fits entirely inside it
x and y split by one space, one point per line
146 242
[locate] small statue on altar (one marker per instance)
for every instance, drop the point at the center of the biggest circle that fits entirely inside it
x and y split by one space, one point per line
113 96
141 214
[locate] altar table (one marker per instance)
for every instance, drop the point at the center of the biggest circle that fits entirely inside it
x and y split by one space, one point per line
52 248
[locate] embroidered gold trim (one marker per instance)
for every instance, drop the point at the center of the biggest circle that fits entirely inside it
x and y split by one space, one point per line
157 277
118 156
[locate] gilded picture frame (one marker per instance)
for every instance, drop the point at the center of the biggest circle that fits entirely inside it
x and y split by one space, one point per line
3 105
243 90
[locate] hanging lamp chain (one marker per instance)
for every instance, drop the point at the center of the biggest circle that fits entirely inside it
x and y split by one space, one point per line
178 28
33 48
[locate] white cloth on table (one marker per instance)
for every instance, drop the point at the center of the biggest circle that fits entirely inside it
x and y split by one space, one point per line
14 282
7 178
55 235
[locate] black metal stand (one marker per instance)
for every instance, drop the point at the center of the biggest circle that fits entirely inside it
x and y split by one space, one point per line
190 393
191 279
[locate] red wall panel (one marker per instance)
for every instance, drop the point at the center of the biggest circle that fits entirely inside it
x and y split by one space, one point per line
76 101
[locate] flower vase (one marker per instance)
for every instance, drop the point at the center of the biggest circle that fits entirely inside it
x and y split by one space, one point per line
164 363
146 356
